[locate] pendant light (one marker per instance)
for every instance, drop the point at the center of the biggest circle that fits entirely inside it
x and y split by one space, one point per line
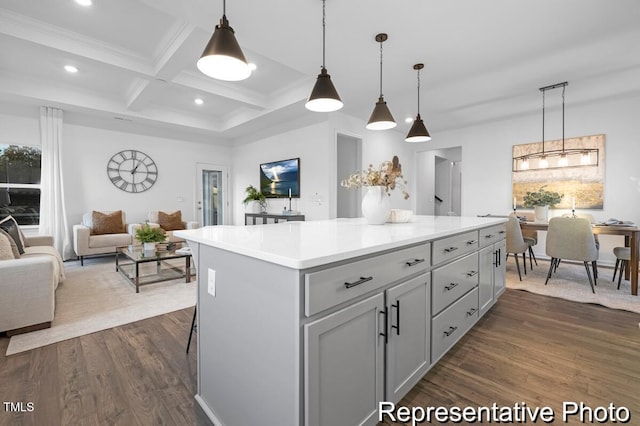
223 59
381 118
418 132
324 96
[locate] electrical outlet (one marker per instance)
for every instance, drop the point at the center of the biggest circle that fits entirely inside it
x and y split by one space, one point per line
211 282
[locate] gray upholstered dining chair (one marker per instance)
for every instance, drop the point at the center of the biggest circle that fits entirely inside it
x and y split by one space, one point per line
623 255
571 239
516 243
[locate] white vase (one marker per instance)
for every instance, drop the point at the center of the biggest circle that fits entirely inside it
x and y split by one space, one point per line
542 213
253 207
376 205
149 246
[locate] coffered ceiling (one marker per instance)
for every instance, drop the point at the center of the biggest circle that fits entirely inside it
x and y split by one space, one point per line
484 60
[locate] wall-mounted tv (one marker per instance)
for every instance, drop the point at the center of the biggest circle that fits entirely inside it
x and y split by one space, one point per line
280 179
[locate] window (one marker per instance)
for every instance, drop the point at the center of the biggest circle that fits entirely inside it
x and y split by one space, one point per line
20 183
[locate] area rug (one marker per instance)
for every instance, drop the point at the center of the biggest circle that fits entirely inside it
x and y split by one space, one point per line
96 297
570 282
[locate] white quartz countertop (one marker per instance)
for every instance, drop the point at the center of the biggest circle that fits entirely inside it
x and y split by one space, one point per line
302 245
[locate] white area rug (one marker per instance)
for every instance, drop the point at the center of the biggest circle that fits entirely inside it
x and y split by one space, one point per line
96 297
570 282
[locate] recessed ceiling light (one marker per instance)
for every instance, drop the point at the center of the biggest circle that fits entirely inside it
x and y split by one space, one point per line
408 120
252 66
71 69
84 2
198 101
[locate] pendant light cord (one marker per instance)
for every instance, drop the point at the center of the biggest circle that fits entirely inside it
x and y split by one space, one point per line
563 87
418 92
543 92
324 2
380 69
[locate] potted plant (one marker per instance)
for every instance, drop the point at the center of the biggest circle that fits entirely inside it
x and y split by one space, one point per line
255 199
149 236
541 200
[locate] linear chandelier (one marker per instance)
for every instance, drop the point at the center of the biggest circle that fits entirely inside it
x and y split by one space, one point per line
556 158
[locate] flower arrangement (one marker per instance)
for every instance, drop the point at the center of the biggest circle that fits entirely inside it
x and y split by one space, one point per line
388 175
542 197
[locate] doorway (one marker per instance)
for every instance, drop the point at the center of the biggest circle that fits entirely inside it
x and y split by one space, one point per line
439 182
349 159
211 198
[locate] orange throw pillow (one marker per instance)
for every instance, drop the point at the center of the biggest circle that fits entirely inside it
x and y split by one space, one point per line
107 223
170 221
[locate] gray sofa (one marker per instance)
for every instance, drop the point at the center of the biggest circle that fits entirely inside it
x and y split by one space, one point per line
28 286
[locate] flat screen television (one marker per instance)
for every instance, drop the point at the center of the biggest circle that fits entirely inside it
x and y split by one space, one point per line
280 179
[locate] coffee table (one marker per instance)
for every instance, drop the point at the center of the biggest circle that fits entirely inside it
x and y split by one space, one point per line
135 256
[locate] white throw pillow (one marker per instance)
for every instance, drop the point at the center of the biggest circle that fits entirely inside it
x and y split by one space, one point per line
6 253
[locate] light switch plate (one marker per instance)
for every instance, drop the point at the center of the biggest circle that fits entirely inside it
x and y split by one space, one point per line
211 282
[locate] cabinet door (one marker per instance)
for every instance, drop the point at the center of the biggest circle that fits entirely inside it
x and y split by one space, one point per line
499 279
344 365
487 262
408 348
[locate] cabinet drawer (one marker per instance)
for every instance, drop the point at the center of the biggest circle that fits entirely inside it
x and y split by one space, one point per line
452 281
452 323
330 287
491 235
452 247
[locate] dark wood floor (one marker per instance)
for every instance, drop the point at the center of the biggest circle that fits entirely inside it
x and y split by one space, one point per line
530 348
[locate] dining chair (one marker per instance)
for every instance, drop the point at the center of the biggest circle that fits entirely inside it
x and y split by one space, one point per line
572 239
623 254
516 243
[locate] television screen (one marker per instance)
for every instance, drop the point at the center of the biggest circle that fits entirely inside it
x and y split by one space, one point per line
280 179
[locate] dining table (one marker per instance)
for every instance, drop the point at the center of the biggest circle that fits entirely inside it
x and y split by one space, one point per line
631 236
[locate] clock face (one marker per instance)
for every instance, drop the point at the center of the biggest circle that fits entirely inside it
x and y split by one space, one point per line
132 171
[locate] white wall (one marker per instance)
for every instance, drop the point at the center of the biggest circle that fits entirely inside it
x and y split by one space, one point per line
316 147
486 159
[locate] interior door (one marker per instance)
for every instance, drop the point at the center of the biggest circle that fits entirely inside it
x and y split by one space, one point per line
211 199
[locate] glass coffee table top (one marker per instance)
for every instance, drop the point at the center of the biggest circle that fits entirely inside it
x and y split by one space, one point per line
142 267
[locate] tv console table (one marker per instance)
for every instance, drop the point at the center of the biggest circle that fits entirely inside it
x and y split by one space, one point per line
276 217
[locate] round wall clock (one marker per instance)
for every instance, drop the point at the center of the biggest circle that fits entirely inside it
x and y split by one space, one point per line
132 171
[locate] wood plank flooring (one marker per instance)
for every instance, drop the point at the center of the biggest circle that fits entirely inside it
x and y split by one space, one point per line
530 348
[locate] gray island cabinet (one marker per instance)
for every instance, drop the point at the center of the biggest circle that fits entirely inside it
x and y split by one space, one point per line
315 323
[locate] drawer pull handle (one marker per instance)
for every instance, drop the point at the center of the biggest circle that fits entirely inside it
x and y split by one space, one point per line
360 281
450 249
471 312
471 242
489 236
415 262
386 324
397 326
502 232
472 273
451 286
450 331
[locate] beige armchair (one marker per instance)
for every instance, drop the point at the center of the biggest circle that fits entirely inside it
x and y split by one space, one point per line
91 238
169 222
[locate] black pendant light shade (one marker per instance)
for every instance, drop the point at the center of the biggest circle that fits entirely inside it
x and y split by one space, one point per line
381 118
324 96
223 59
418 131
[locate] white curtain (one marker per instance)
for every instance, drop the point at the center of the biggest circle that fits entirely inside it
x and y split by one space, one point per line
53 215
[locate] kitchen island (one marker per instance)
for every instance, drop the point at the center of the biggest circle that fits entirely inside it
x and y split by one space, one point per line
314 323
